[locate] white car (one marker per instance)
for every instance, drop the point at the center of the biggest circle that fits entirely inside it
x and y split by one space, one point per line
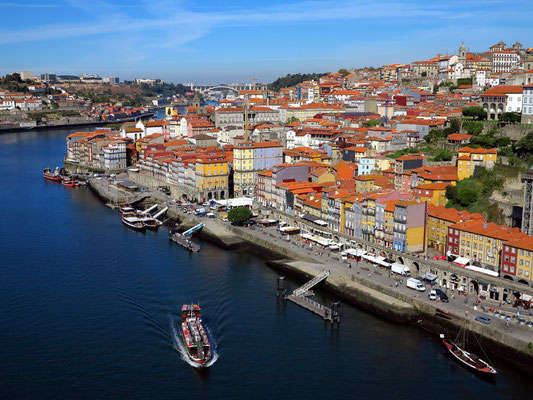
433 294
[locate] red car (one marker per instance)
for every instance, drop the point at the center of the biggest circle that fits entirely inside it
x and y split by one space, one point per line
439 258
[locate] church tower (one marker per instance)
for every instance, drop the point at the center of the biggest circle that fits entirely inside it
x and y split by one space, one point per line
462 54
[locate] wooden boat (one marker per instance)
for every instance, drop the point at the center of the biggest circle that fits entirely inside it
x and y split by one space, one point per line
194 335
126 208
466 358
133 222
51 176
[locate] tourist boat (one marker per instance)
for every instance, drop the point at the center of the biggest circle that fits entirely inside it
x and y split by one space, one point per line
132 221
151 223
52 176
70 182
126 208
194 335
466 358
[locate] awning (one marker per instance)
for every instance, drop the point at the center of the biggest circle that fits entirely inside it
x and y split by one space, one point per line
381 261
482 270
310 217
461 261
430 277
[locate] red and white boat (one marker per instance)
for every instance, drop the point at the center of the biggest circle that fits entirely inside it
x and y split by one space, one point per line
52 176
70 182
194 335
466 358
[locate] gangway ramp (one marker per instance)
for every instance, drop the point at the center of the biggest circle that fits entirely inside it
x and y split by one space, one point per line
159 213
193 229
149 209
313 282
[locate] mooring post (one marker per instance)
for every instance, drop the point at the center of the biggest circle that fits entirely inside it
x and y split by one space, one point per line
281 283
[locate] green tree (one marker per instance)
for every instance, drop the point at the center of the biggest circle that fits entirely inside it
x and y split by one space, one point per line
291 120
513 117
466 196
473 127
525 145
455 125
344 71
476 112
372 122
424 74
451 192
239 214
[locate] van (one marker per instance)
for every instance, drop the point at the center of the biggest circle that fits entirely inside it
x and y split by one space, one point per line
415 284
400 269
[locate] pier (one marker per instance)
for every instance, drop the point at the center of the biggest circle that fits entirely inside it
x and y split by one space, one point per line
300 296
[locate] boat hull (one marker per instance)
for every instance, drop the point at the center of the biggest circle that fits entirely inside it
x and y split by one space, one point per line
134 226
467 359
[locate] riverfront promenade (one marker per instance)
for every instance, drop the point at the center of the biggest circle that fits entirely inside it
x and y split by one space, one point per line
358 282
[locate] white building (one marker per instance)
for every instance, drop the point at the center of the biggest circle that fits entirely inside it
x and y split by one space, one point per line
505 61
527 105
115 155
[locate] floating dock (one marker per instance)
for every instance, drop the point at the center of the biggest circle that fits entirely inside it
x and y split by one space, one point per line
301 295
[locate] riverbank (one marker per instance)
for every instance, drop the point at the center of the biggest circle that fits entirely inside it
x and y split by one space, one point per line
365 286
82 125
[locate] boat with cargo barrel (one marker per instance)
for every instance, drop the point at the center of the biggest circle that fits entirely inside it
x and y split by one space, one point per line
194 335
52 176
69 181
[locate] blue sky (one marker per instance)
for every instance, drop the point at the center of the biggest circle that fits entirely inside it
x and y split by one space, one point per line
233 40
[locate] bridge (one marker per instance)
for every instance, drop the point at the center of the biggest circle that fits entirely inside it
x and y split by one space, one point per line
235 87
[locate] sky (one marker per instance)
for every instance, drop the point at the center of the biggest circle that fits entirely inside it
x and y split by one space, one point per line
229 41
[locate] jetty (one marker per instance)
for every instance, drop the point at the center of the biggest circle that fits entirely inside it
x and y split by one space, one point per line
301 295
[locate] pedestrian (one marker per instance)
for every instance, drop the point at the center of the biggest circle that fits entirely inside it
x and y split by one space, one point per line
466 313
369 275
453 295
349 265
396 284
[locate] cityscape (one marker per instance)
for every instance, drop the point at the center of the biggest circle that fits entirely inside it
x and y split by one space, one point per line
236 239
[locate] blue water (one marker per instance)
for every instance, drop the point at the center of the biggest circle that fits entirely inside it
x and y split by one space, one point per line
88 307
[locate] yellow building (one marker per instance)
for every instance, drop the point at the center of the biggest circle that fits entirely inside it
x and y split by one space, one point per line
439 218
518 259
468 159
249 159
480 241
434 193
212 177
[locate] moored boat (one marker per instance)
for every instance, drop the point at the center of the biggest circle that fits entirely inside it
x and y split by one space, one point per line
52 176
70 182
133 222
151 223
194 335
466 358
126 208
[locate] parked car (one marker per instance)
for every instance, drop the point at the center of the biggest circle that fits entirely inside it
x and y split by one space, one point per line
521 321
443 296
483 319
432 295
529 324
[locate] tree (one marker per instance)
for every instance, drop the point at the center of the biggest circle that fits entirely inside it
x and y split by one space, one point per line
473 127
424 74
344 71
455 125
525 145
239 214
451 192
513 117
476 112
291 120
372 122
466 196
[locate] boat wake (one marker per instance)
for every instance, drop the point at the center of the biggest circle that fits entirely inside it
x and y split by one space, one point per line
180 348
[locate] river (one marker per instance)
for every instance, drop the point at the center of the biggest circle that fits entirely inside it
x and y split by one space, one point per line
88 309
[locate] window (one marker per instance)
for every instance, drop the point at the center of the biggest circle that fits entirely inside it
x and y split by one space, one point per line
521 262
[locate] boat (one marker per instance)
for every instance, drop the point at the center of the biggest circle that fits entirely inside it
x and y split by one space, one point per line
52 176
132 221
70 182
194 335
185 241
126 208
152 223
466 358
